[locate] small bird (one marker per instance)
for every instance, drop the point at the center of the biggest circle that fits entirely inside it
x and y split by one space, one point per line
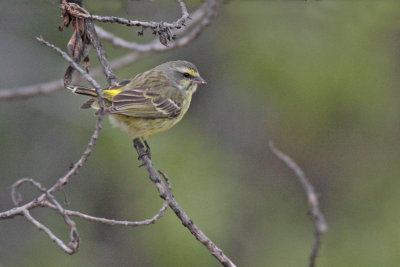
151 102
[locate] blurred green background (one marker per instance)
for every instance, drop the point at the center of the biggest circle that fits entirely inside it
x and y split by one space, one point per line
320 78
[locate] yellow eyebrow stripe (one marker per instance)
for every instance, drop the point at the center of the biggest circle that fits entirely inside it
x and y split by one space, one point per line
192 72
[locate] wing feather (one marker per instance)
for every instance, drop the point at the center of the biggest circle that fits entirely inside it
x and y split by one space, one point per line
141 102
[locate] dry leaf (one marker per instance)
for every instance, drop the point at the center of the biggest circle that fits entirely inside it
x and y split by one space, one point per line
79 44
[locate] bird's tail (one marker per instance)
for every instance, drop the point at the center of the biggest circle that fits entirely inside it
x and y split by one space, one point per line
81 90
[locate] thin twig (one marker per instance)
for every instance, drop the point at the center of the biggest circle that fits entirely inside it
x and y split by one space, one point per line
101 53
74 235
31 90
63 180
185 13
87 217
71 61
52 236
202 16
166 194
48 194
16 197
320 226
128 22
53 86
146 49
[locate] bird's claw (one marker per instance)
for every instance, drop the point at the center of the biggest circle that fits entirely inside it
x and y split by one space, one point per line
146 153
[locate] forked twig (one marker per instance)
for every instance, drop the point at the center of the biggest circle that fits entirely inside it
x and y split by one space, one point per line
47 198
70 249
71 8
202 16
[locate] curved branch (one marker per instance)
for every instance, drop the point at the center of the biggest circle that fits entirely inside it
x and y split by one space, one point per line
48 194
320 226
67 248
87 217
63 180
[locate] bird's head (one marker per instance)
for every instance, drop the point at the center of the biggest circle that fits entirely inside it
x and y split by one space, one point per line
184 74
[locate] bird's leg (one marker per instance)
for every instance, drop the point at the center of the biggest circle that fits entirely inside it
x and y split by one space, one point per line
137 143
139 146
148 149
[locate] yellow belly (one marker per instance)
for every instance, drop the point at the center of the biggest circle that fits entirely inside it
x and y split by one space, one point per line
144 127
140 127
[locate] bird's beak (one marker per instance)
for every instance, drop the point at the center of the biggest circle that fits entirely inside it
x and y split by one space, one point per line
199 80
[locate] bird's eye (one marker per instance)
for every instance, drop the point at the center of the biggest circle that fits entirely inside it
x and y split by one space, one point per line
186 75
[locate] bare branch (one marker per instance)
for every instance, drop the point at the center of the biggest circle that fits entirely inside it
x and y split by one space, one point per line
58 241
101 53
74 236
53 86
76 12
320 226
206 12
16 197
63 180
166 194
47 195
81 215
71 61
185 13
31 90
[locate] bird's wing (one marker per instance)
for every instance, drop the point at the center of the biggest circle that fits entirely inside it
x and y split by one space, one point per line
143 102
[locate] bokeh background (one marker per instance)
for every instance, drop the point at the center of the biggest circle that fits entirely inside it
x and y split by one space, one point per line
320 78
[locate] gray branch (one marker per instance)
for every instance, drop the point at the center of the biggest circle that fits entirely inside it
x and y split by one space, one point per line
101 54
202 17
91 218
165 193
320 226
128 22
68 249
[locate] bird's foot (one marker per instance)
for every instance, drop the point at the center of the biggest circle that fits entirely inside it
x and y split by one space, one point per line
146 153
148 149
